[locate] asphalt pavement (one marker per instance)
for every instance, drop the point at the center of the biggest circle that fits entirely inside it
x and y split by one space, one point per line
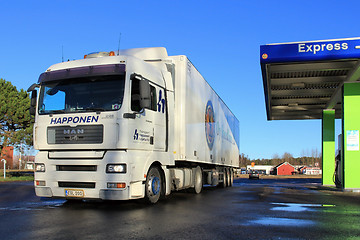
251 209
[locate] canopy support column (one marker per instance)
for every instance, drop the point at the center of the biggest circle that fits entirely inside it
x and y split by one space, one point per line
328 147
350 132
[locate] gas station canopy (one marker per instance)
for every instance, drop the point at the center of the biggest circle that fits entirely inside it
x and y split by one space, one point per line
302 79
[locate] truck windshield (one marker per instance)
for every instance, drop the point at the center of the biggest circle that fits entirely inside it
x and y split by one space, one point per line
100 93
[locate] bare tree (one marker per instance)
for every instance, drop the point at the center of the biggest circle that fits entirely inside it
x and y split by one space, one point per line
287 157
275 156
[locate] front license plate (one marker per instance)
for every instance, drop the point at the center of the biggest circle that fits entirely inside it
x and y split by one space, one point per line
74 193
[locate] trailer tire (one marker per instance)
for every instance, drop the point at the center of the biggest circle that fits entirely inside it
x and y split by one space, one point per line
153 185
198 180
225 179
228 180
231 177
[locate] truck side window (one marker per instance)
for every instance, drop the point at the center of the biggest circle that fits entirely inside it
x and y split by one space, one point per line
153 98
135 96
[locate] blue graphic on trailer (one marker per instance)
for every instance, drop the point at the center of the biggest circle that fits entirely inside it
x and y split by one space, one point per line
310 51
233 123
210 124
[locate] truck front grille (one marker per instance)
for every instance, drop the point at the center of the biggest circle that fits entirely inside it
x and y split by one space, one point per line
85 168
81 134
77 184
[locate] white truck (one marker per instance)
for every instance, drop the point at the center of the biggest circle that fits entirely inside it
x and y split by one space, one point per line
132 124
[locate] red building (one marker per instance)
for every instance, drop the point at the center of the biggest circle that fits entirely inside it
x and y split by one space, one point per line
284 168
7 154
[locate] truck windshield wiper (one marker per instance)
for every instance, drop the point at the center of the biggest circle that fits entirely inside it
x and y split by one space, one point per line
94 109
58 111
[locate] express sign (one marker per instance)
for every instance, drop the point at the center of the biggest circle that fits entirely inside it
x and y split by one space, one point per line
315 48
311 51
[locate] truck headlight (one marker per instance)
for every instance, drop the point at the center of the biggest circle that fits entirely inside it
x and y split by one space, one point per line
39 167
116 168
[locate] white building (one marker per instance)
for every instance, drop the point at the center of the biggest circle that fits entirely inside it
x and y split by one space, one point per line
262 168
312 171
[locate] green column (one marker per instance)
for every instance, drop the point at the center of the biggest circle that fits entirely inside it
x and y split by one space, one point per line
350 131
328 147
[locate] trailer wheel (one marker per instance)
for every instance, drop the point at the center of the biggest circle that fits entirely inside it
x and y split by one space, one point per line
153 186
228 182
225 178
231 177
198 180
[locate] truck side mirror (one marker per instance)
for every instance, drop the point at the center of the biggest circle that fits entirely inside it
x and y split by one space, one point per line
33 102
33 98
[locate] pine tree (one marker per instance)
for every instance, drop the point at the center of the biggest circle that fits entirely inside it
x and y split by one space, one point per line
15 121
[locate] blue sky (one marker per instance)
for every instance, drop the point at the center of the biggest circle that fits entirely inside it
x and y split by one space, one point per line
221 38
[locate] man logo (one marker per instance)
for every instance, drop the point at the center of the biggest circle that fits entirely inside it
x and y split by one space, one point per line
73 131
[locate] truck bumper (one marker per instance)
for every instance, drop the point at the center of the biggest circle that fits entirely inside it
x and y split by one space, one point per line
134 191
108 194
73 175
43 192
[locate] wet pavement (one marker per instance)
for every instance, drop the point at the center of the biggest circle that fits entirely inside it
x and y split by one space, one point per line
251 209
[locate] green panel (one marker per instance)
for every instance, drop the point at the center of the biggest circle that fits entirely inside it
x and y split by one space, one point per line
351 130
328 147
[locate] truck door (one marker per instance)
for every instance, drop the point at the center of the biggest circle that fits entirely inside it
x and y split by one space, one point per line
159 118
149 127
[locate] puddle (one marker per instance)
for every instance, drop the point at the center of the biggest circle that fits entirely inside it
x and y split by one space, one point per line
287 222
299 207
290 222
35 206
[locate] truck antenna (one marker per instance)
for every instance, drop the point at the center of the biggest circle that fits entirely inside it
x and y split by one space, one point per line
62 53
119 44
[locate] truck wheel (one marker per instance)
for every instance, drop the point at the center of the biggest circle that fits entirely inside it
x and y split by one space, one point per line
228 182
153 186
198 180
231 177
225 179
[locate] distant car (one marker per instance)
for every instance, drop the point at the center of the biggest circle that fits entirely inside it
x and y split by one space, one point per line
254 174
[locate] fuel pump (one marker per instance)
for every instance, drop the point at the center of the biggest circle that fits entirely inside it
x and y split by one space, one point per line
338 164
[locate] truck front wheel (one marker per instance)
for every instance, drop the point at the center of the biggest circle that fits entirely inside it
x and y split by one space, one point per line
153 186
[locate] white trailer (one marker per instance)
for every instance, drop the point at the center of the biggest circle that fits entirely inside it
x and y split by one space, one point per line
127 125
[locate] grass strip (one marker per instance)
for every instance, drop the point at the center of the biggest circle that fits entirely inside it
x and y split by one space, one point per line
14 179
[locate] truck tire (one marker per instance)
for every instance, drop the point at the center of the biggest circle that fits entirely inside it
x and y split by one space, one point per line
225 179
153 185
198 180
228 180
231 177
